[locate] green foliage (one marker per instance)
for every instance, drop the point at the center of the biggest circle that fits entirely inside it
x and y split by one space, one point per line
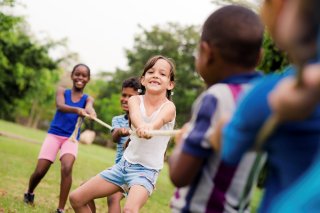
273 59
27 74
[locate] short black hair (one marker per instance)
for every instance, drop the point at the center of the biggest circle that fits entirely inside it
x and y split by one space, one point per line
78 65
237 32
132 82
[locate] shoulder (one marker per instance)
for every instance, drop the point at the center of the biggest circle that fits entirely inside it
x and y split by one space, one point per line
169 105
119 117
135 99
61 90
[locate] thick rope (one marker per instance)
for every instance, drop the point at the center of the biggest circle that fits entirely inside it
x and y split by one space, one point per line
75 133
150 132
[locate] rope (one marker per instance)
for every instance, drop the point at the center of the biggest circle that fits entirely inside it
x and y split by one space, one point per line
75 133
150 132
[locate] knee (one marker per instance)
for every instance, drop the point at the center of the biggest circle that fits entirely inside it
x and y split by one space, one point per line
110 200
75 199
130 209
66 170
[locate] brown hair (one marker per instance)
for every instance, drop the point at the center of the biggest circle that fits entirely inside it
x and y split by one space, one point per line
151 62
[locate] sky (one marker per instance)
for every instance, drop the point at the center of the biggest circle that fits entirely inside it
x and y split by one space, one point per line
99 30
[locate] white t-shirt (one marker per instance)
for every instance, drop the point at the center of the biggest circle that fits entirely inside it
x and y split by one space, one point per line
148 152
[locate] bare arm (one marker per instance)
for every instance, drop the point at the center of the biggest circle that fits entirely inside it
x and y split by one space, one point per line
183 167
290 102
89 107
134 109
117 133
166 115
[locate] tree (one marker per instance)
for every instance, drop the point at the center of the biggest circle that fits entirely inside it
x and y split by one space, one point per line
27 73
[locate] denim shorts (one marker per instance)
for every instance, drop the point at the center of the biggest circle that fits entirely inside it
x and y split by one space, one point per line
125 175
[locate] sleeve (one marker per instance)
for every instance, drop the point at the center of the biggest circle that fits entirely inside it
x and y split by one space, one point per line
115 123
195 140
253 110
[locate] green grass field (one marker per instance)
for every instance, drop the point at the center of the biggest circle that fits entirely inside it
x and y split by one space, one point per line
18 160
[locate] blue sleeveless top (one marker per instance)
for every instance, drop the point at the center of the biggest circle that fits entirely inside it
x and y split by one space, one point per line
63 123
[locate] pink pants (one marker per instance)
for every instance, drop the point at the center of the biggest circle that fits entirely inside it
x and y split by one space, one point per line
53 143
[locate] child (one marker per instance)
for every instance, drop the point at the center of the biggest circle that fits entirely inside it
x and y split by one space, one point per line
138 169
229 50
70 105
292 103
293 145
120 133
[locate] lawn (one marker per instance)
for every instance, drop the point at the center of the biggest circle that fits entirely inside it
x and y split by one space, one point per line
18 160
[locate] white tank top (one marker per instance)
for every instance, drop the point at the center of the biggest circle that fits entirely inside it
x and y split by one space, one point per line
148 152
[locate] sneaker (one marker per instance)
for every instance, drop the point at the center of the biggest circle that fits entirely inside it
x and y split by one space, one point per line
59 211
28 198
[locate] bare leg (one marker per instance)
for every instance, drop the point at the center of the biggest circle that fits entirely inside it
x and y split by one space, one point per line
67 161
138 196
92 206
114 202
40 171
91 203
96 187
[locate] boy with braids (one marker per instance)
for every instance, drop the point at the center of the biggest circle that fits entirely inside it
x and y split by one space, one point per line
229 51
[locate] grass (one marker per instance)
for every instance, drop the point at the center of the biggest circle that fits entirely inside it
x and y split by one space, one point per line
19 158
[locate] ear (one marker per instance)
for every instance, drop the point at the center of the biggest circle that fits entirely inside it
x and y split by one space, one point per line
206 53
142 80
171 85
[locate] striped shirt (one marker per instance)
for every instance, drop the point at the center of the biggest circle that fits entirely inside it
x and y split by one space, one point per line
217 187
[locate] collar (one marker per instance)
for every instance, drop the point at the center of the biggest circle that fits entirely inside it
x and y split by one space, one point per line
242 78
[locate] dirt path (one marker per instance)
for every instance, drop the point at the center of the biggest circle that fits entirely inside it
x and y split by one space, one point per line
19 137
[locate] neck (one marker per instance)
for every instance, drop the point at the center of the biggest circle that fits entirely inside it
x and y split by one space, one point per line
155 99
76 90
226 71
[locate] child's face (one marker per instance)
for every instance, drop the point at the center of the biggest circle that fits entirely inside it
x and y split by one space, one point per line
80 77
126 93
157 78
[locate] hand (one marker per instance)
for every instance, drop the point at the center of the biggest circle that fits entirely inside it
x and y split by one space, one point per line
142 131
178 137
289 102
216 136
124 132
91 112
81 112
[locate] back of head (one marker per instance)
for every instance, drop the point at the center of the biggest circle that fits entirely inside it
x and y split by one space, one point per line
237 32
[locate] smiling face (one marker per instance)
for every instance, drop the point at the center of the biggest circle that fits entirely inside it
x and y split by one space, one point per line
126 93
157 78
80 77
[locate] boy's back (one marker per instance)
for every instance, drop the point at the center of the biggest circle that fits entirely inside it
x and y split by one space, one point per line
217 187
229 50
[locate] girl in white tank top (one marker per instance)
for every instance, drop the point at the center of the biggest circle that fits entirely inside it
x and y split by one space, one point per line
143 159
